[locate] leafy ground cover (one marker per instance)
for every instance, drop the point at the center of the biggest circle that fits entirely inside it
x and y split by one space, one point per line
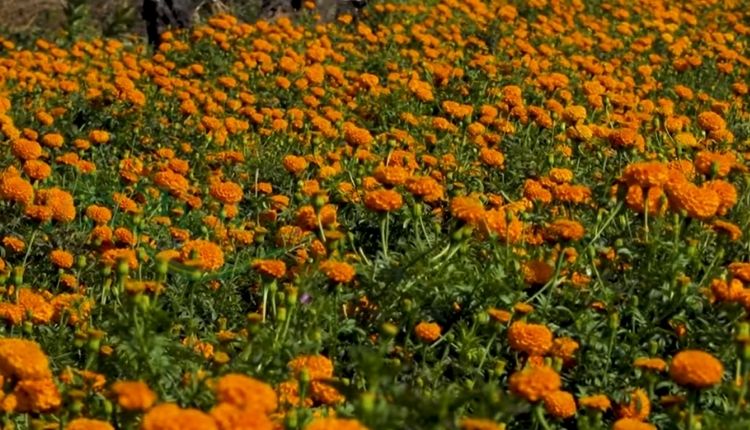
443 215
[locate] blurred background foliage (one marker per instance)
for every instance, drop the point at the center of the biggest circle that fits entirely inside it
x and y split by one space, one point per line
27 20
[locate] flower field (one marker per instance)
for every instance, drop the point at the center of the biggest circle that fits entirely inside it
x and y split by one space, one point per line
449 214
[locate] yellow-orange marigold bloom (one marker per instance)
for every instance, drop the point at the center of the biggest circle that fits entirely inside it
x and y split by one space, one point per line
23 359
99 136
720 163
727 194
61 258
560 404
427 331
383 200
133 395
646 174
37 395
533 383
479 424
230 417
335 424
37 169
426 187
88 424
325 393
53 140
99 214
202 254
294 164
638 406
711 121
537 272
14 244
228 193
25 150
338 271
246 392
169 416
270 268
599 402
317 366
632 424
468 209
565 229
533 339
17 190
390 175
492 157
172 182
60 203
653 364
696 369
564 348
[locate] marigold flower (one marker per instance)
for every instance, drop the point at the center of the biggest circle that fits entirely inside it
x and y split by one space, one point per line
560 404
37 395
653 364
428 331
169 416
533 339
228 193
632 424
203 254
335 424
599 402
564 229
533 383
338 271
17 190
390 175
25 150
383 200
133 395
492 157
696 369
537 272
14 244
23 359
467 209
294 164
88 424
270 268
479 424
638 406
711 121
246 392
230 417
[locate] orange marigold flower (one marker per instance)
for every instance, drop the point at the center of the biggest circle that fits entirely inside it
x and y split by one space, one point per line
99 136
646 174
169 416
696 369
727 194
317 366
564 229
426 187
37 169
23 359
133 395
270 268
479 424
294 164
638 406
718 163
61 258
172 182
37 395
468 209
653 364
427 331
88 424
599 402
335 424
533 383
246 392
53 140
492 157
17 190
338 271
533 339
383 200
24 149
564 348
14 244
390 175
632 424
537 272
711 121
560 404
228 193
203 254
60 203
325 393
230 417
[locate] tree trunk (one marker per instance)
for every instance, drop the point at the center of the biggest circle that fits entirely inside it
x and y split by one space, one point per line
161 15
